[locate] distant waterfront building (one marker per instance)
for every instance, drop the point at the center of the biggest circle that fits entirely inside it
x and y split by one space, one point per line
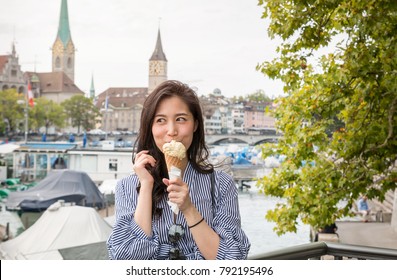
55 86
11 75
236 118
212 121
255 115
215 109
122 110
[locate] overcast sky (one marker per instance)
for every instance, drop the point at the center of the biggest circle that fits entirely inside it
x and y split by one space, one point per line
208 43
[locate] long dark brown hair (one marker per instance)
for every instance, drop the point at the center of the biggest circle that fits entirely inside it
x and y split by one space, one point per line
197 153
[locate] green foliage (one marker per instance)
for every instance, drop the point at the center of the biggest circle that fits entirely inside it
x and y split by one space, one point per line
338 117
47 113
258 96
81 112
11 111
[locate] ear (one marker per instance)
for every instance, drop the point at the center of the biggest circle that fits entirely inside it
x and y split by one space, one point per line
195 126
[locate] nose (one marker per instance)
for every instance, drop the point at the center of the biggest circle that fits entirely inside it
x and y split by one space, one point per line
171 129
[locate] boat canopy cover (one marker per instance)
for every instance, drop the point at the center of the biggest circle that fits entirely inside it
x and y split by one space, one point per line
68 185
108 186
8 148
61 230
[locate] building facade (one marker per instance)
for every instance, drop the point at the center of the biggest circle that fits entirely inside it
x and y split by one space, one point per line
11 75
55 86
256 115
121 108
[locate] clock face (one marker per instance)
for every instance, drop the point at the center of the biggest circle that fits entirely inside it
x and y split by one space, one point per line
156 67
58 47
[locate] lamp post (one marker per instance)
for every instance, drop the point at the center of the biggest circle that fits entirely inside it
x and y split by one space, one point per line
26 120
26 117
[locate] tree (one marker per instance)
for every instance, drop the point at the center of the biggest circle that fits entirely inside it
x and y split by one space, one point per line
238 99
338 63
257 96
11 113
47 113
81 112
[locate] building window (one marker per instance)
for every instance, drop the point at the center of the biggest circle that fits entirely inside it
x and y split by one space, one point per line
70 63
57 62
113 164
13 73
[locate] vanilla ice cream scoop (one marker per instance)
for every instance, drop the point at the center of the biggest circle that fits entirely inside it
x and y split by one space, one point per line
174 149
174 153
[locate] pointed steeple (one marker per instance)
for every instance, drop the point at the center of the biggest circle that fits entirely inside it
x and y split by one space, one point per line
158 53
92 89
63 28
14 52
157 65
63 50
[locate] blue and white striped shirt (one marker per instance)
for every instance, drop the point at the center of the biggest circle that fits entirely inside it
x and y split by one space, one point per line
128 241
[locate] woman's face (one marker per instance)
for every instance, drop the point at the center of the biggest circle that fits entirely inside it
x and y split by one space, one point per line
173 121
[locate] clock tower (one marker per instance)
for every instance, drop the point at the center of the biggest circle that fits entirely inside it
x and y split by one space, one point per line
157 66
63 48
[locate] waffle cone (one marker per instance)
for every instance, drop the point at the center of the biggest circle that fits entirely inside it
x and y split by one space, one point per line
173 161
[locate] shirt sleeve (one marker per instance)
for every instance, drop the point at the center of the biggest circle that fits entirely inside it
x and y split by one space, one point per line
234 243
128 240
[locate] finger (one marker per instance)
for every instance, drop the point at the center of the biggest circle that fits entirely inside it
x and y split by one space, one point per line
172 196
146 159
171 188
137 155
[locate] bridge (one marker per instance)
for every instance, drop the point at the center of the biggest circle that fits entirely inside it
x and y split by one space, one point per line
215 139
211 139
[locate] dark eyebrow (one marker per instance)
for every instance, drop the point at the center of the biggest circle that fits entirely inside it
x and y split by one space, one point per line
182 114
176 115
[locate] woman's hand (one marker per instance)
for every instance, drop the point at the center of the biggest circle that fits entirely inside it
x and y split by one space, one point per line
142 160
178 193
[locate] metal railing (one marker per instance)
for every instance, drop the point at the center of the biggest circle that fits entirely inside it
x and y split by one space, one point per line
339 251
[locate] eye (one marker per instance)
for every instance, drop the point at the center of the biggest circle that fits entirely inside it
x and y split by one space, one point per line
181 119
159 120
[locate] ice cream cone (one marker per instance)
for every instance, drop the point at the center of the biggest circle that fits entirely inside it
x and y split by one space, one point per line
173 161
174 153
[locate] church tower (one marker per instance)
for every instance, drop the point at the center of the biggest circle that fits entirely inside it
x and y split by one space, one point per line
157 66
63 51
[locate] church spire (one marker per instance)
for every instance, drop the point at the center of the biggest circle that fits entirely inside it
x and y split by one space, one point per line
14 52
63 50
92 89
157 65
158 53
63 28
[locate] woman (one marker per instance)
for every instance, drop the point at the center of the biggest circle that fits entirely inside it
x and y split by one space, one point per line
208 225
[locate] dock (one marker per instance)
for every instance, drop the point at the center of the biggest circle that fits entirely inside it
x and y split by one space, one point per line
244 174
373 234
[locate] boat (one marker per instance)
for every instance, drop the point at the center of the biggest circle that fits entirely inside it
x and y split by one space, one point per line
68 185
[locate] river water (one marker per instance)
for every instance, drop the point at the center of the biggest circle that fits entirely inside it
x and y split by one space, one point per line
253 208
